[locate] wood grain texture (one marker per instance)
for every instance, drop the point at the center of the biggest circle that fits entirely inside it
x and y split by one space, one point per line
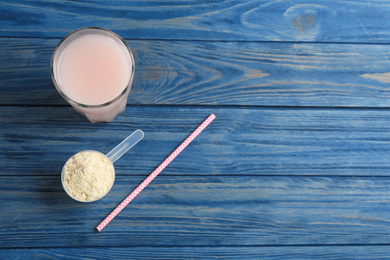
217 73
204 252
295 166
38 140
199 211
256 20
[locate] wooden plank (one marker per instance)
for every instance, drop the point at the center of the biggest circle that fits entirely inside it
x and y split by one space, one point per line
230 252
258 20
218 73
38 140
199 211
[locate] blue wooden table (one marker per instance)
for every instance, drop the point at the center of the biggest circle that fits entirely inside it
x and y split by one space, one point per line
295 165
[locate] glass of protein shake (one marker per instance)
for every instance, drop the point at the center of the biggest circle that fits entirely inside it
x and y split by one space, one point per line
93 69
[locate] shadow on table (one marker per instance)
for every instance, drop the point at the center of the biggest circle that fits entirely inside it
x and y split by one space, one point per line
38 140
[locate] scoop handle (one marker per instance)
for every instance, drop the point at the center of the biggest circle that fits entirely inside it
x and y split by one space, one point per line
125 145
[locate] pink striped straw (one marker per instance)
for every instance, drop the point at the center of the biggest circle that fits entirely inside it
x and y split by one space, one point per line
155 172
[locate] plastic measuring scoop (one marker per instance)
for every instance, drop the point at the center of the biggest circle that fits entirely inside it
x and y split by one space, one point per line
112 156
125 145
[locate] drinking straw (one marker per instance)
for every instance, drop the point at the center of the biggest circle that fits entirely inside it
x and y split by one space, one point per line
153 175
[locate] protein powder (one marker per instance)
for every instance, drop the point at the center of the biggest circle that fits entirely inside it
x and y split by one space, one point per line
88 176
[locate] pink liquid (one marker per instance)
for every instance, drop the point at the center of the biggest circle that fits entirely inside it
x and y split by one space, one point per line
94 70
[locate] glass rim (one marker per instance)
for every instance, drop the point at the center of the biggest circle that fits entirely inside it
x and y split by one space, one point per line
57 85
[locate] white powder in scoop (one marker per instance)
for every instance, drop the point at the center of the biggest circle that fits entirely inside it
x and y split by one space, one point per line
88 175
